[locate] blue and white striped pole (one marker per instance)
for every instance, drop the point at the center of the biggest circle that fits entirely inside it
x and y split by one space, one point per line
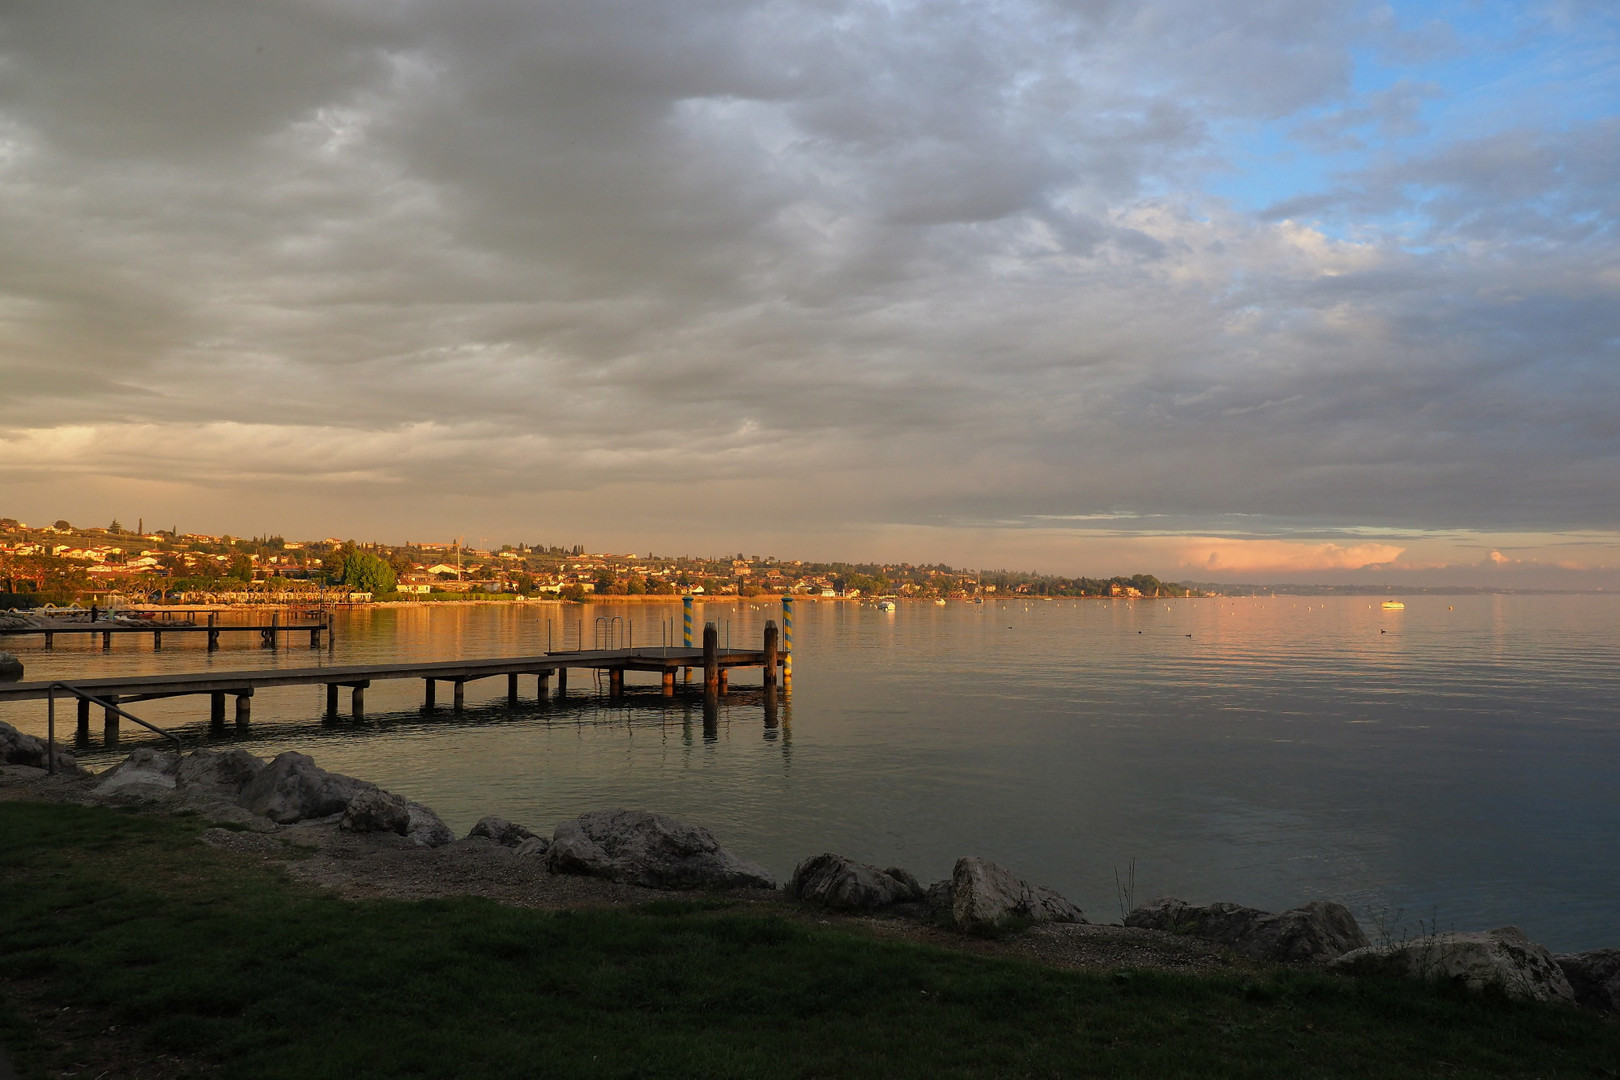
787 642
686 631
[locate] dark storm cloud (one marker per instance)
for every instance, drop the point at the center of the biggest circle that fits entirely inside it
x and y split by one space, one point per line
932 262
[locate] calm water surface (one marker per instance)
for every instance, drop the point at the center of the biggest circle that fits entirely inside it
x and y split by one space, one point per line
1458 761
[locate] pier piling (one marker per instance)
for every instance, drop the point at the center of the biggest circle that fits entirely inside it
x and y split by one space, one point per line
770 652
244 707
430 690
216 710
84 721
711 660
357 701
458 698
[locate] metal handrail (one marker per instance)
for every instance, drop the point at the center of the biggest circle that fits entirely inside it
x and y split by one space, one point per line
50 722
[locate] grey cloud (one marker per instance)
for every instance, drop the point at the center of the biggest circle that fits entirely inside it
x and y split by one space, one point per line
914 264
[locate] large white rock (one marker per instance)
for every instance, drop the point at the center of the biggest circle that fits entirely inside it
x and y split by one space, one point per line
985 896
291 788
214 772
1317 932
846 885
1503 958
146 767
649 849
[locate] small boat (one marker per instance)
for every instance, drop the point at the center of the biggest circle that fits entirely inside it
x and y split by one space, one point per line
1393 605
885 605
939 603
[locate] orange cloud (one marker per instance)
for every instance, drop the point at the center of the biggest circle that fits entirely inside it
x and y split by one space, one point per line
1247 556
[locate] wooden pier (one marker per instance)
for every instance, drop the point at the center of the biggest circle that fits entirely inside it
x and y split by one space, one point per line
269 633
715 662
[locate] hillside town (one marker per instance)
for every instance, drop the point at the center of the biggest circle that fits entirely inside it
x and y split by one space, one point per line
62 563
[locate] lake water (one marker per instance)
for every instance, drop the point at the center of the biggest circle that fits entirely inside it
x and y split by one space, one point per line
1456 763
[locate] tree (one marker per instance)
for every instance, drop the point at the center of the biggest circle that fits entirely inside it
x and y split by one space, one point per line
63 525
365 572
241 568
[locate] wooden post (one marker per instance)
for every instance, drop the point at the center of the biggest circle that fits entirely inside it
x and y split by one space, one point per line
511 689
770 652
770 705
615 682
331 700
315 637
157 640
84 720
50 640
216 710
460 695
275 630
725 680
542 685
711 660
213 631
562 682
244 707
430 690
106 640
109 720
669 683
357 701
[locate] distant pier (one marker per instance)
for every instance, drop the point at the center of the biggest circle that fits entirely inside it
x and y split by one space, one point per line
270 633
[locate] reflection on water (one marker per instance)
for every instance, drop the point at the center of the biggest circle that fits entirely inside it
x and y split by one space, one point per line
1454 761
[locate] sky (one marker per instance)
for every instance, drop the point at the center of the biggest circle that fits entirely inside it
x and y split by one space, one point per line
1221 290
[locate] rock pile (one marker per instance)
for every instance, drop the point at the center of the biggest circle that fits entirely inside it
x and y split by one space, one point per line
1503 958
11 668
832 881
26 750
641 848
1315 933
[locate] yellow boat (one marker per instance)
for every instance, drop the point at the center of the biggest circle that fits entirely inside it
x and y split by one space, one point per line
1393 605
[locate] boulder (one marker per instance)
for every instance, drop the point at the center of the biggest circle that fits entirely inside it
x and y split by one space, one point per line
1594 976
291 788
147 768
1315 933
846 885
376 811
505 833
642 848
426 828
19 749
214 772
1503 958
11 668
986 897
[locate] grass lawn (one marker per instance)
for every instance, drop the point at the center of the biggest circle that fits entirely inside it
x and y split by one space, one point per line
125 944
